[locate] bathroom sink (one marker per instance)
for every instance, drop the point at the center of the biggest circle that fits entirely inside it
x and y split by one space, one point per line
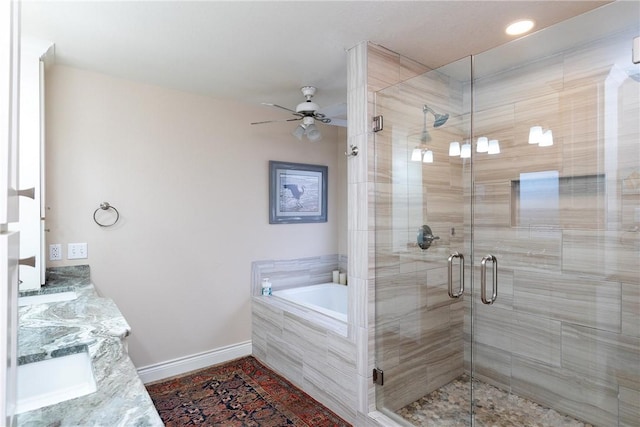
54 380
47 298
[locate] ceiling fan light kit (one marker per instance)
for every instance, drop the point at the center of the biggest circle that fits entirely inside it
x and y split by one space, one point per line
308 112
307 128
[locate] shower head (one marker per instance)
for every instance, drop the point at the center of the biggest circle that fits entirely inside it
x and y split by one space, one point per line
440 119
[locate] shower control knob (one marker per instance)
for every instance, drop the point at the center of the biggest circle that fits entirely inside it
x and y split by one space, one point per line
426 237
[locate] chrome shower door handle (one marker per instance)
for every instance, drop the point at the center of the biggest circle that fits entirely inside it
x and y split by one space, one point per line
483 279
461 287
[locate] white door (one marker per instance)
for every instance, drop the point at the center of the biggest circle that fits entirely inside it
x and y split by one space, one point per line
9 241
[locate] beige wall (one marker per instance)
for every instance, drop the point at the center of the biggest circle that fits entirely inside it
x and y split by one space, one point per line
189 176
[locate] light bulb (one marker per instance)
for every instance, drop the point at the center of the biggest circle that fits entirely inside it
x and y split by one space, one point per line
483 145
416 155
547 139
465 151
454 148
519 27
535 135
494 147
428 157
313 134
299 131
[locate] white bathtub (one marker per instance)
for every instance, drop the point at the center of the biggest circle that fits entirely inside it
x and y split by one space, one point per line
327 298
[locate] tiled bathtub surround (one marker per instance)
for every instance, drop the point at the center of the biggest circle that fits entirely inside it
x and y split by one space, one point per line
285 274
88 323
311 350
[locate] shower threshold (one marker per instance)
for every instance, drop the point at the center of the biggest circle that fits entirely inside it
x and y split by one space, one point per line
447 407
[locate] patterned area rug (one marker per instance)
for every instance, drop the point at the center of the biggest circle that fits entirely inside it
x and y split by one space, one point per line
239 393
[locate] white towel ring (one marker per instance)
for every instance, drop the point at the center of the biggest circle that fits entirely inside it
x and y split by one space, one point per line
106 206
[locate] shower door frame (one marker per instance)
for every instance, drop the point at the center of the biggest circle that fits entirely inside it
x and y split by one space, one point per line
413 284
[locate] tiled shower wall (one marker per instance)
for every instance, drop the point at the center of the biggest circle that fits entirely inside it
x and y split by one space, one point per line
565 330
369 69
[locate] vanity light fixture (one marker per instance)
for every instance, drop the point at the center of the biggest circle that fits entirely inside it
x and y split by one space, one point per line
519 27
541 137
483 145
422 154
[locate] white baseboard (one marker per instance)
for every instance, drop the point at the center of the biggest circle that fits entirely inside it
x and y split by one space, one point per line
193 362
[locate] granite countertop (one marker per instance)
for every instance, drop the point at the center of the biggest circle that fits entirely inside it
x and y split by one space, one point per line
91 323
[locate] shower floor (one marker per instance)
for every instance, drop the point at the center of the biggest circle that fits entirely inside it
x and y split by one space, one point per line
447 407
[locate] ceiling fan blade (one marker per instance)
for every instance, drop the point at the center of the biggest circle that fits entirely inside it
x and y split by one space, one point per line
337 113
336 110
281 107
338 122
276 121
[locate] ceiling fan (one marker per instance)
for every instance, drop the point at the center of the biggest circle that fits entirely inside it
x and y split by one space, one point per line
307 111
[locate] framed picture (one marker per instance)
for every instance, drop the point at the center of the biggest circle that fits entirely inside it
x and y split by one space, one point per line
297 193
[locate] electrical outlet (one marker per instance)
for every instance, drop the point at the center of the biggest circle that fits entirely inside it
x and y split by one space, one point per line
77 251
55 252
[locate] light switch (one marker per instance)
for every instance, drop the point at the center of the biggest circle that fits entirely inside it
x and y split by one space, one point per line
77 251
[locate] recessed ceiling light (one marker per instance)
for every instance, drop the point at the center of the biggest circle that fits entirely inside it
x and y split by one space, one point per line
519 27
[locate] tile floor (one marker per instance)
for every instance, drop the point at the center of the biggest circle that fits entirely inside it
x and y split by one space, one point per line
447 407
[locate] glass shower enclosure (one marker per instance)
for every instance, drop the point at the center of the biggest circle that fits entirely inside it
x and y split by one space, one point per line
507 205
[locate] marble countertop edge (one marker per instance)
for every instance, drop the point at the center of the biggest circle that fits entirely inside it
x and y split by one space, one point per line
89 323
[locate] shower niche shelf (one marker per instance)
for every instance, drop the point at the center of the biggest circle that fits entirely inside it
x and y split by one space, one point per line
545 199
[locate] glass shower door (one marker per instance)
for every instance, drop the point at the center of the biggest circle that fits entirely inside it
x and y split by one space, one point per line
423 228
534 178
556 205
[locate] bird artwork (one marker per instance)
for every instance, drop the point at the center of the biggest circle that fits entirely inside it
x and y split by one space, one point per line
296 192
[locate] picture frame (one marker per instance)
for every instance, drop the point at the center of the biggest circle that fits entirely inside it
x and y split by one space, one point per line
297 193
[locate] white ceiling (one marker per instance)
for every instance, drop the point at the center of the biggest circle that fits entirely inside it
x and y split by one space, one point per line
264 51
